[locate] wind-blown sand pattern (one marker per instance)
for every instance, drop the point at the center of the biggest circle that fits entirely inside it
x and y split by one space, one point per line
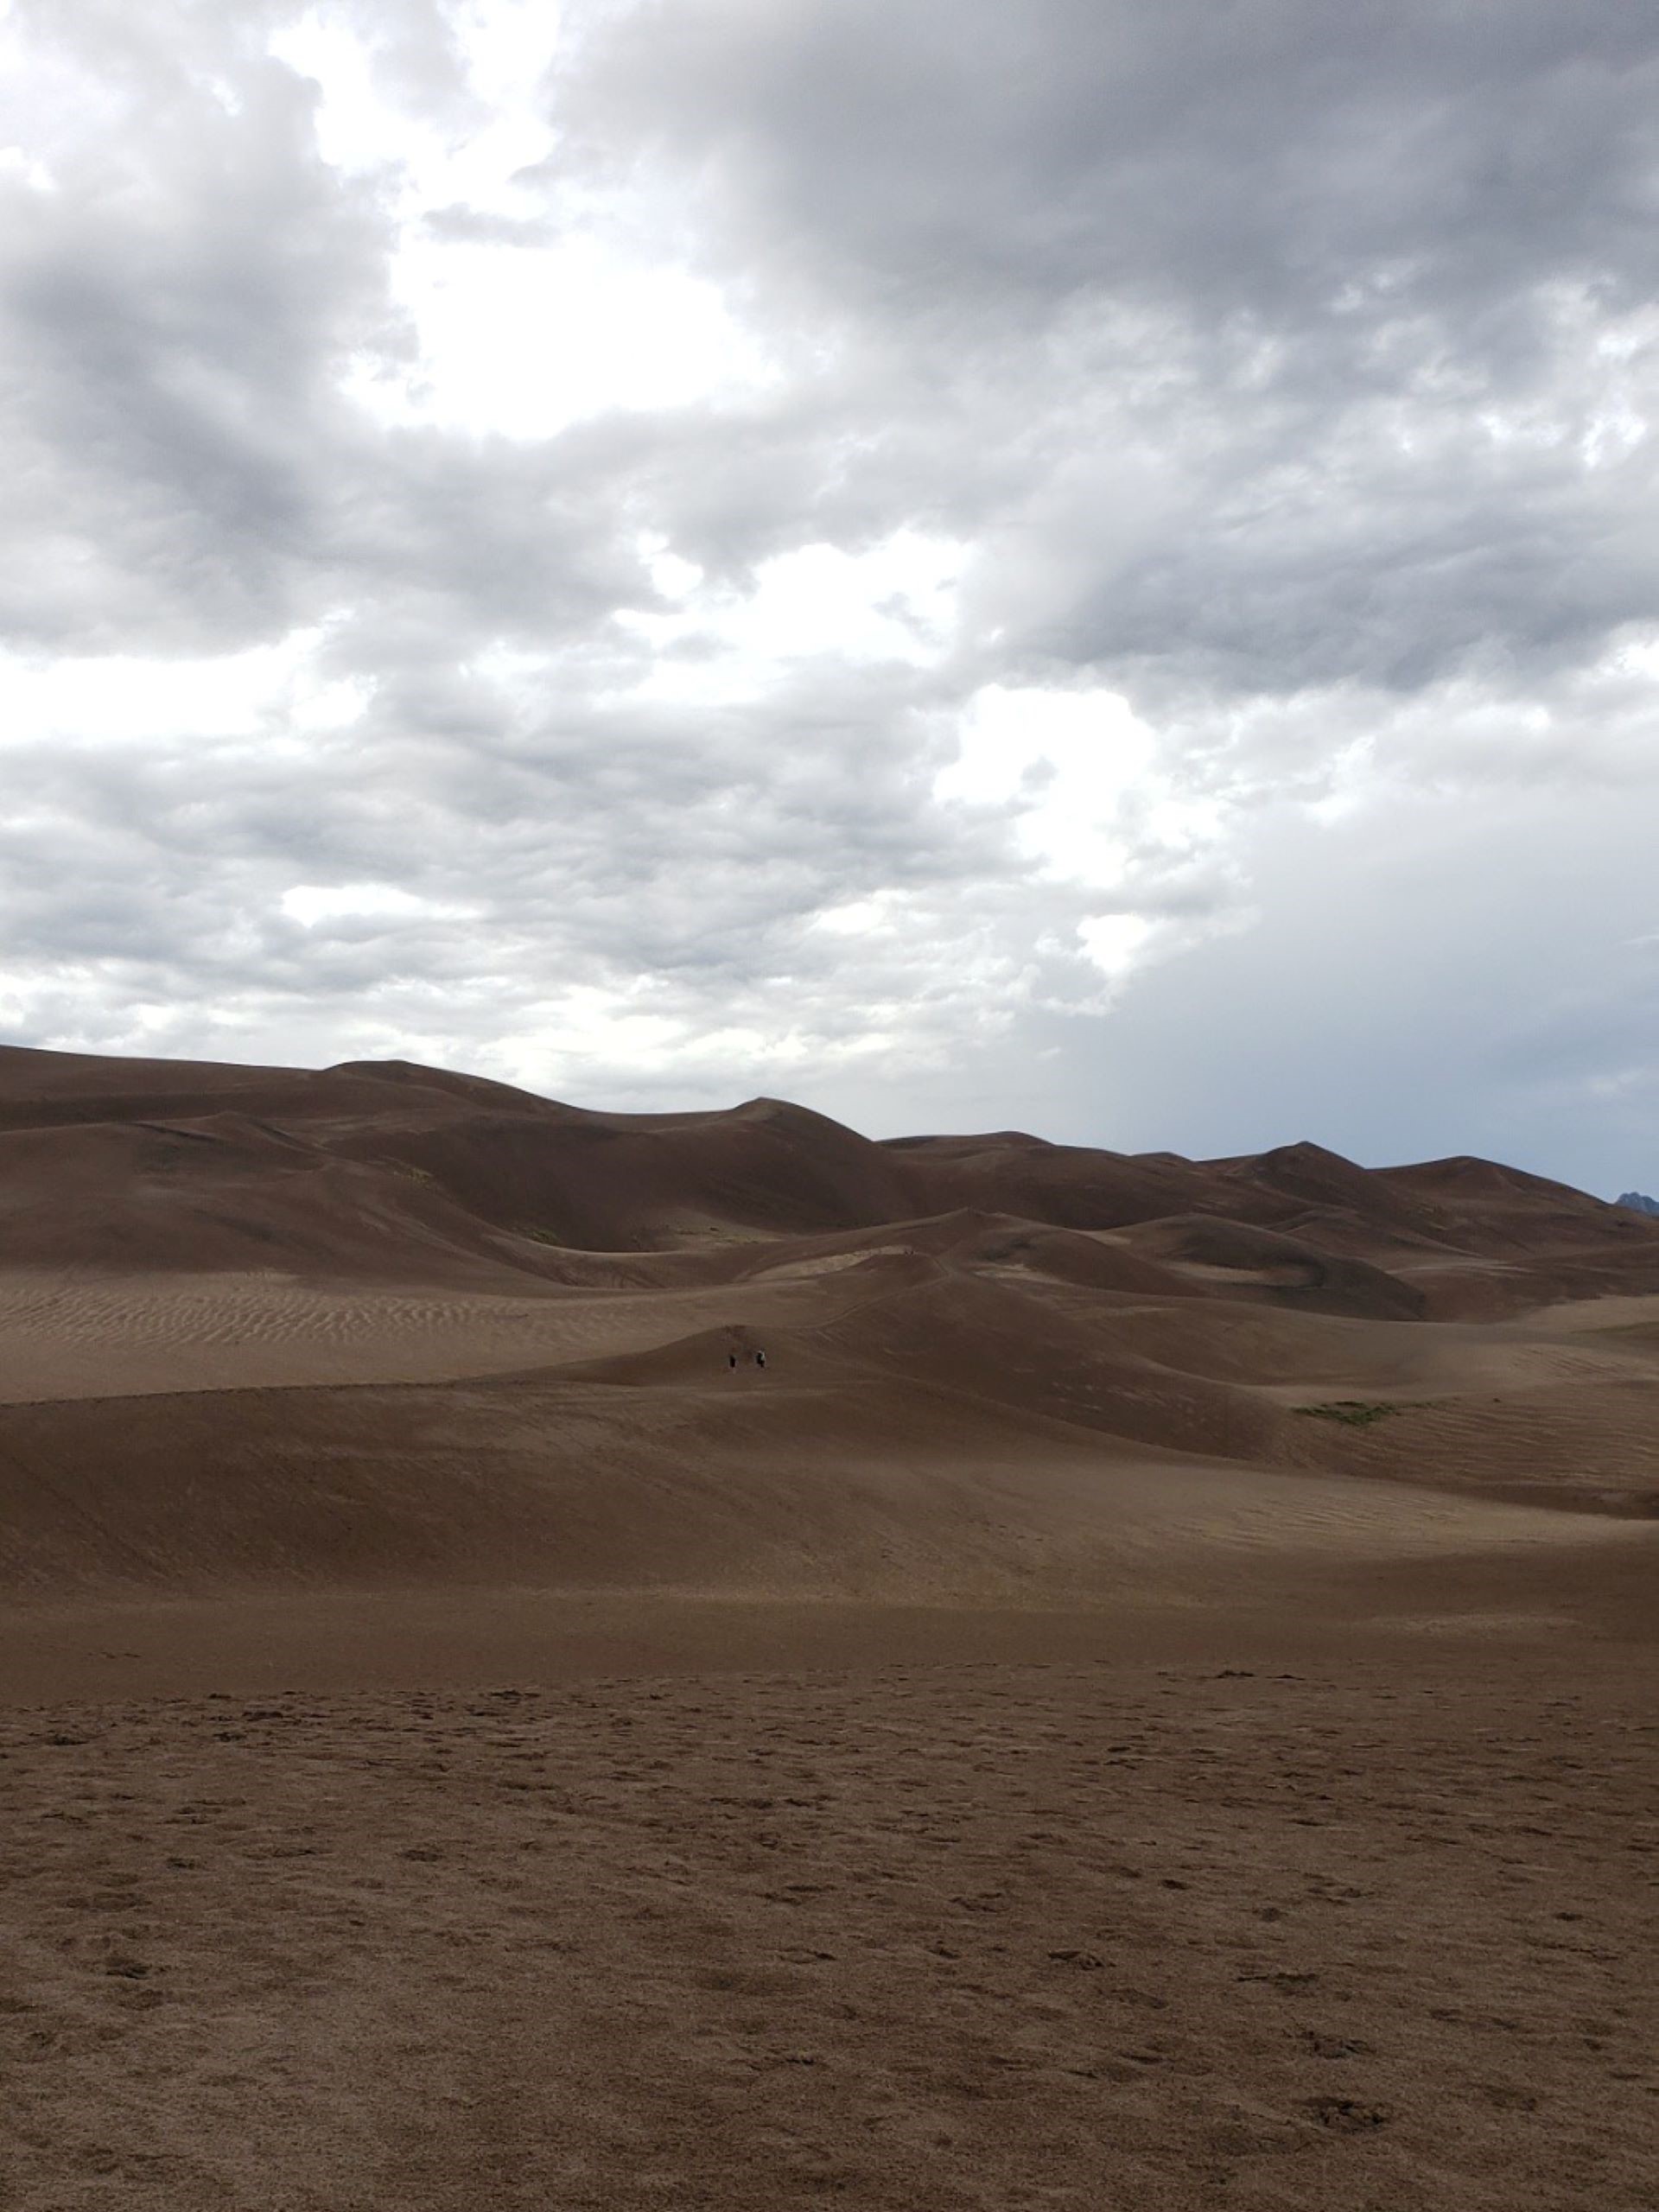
1146 1700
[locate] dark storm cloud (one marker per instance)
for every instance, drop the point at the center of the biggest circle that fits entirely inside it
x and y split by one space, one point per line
1276 157
1282 319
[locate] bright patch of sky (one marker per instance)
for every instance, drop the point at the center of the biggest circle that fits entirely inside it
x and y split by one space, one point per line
125 699
520 334
892 601
312 904
1063 763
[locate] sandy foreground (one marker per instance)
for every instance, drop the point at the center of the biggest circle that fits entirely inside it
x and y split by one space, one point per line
442 1899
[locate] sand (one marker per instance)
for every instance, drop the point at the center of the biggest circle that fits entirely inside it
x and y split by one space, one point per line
1147 1700
1365 1921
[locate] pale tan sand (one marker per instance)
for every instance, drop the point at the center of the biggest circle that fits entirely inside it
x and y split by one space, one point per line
97 1336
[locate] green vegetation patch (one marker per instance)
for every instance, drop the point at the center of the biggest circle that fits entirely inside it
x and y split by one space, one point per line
1353 1413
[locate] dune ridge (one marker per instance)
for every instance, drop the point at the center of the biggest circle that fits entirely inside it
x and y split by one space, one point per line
381 1320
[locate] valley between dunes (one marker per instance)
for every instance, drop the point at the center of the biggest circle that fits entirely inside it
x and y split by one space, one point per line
1144 1698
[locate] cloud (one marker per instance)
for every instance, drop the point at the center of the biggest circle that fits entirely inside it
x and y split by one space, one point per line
1268 345
1082 565
182 310
1274 158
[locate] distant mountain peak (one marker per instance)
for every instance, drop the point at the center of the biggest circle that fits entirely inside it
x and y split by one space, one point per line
1637 1202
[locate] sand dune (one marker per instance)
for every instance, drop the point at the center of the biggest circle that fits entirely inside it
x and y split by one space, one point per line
346 1266
640 1473
1144 1698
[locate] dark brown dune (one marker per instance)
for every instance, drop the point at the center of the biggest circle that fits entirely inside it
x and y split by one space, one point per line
641 1181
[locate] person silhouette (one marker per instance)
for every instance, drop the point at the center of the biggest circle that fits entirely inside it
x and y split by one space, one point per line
760 1359
731 1360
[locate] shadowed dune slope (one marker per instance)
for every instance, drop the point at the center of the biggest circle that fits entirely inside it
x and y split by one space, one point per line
1243 1261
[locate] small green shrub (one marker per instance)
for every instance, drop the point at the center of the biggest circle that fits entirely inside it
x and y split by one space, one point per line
1353 1413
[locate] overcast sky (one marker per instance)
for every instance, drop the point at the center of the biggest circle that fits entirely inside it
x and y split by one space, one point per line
1089 564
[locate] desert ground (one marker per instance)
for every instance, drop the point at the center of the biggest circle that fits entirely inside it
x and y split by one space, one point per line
1145 1700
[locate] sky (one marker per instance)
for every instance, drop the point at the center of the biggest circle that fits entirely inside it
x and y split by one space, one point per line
1090 566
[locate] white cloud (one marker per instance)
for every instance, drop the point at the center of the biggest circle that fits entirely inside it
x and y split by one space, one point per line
312 904
1112 941
520 344
1065 765
125 699
522 323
